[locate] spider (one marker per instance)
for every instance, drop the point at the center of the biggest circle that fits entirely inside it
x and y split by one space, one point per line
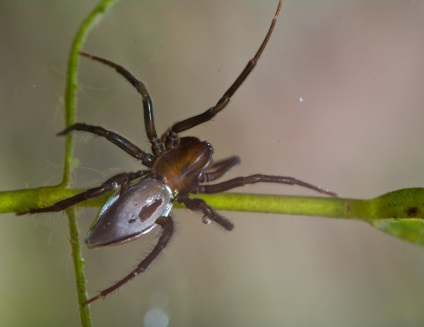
177 167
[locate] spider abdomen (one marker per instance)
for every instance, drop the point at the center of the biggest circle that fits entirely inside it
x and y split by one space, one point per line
127 216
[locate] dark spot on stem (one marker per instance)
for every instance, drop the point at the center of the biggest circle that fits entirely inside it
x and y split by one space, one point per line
412 212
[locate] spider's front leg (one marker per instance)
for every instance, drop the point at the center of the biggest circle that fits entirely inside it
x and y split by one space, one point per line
172 134
122 180
149 122
120 141
167 225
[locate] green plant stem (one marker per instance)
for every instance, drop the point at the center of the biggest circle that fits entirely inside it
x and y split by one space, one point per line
71 81
405 203
398 213
78 268
70 104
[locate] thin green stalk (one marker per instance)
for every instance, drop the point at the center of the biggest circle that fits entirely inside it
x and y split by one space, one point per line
71 81
400 204
78 268
70 104
399 213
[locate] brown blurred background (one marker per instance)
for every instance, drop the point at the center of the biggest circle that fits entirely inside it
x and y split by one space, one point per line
336 100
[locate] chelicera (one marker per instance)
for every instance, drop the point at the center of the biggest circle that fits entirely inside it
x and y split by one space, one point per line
177 167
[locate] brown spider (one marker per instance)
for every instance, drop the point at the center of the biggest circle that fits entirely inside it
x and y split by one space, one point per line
177 168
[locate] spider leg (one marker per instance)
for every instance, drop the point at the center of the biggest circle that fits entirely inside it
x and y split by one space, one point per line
122 179
120 141
168 229
225 99
259 178
149 122
201 205
218 169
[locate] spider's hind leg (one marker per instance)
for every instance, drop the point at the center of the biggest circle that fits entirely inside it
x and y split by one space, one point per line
122 180
167 225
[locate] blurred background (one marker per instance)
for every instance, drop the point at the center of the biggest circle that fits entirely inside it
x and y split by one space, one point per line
336 100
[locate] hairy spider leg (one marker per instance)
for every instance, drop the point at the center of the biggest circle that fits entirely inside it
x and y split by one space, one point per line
258 178
149 122
225 99
146 158
167 225
112 183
